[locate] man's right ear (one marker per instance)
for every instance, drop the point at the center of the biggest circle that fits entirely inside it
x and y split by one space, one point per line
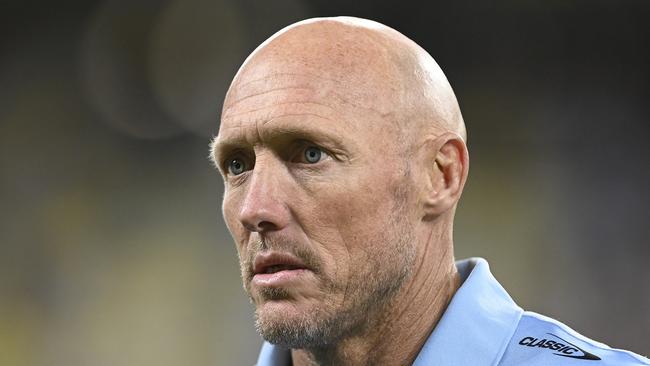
447 166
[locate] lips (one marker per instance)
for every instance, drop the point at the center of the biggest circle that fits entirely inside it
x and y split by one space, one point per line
272 262
274 269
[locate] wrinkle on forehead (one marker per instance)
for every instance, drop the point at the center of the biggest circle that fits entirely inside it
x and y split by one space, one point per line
360 92
265 78
283 89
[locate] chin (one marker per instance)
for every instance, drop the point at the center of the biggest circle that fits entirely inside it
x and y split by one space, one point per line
274 314
294 325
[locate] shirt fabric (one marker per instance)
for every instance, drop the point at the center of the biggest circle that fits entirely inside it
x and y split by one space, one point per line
482 326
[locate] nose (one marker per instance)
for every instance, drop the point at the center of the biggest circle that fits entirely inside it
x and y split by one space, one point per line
264 206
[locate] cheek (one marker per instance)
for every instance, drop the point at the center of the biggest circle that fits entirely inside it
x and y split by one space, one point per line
346 218
359 205
230 210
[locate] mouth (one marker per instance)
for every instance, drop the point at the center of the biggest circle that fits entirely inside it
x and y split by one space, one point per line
273 269
278 267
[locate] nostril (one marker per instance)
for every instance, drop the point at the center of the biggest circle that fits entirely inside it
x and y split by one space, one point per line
249 226
261 221
260 226
266 226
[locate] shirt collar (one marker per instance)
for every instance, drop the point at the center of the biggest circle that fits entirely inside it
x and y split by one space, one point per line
474 330
478 323
272 355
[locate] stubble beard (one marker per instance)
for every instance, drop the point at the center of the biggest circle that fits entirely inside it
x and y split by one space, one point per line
368 293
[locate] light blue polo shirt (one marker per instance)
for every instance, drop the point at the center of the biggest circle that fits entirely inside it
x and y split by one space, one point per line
483 326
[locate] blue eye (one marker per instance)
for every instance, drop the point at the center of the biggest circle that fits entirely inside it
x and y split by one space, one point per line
236 166
313 154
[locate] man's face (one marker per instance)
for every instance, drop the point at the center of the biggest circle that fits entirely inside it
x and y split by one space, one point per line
317 198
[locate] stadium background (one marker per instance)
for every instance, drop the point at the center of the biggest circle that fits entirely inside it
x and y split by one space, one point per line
112 246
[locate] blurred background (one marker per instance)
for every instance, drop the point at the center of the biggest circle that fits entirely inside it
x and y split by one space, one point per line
113 250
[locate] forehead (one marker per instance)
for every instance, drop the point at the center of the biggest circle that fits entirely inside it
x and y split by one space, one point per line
296 102
263 95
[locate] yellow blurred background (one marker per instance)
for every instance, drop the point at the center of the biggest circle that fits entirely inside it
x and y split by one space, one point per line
113 249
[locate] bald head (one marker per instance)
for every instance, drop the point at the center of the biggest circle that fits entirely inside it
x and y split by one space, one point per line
365 64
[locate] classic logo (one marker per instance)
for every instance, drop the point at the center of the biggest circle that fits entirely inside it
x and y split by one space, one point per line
564 348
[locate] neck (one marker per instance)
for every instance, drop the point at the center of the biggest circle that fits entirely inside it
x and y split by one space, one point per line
395 335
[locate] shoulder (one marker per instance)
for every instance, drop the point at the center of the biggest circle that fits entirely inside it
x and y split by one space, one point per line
540 340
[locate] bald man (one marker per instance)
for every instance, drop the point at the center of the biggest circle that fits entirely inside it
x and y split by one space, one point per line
343 152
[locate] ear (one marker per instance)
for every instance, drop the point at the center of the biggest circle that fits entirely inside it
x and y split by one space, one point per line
448 164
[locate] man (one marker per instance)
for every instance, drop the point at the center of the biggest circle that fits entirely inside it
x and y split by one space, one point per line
343 152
